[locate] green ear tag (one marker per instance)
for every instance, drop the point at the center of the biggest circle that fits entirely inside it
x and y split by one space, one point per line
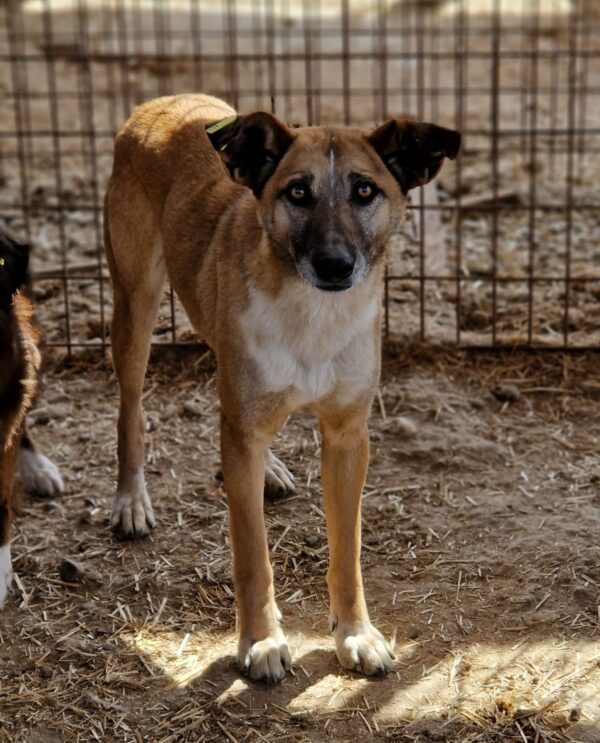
220 124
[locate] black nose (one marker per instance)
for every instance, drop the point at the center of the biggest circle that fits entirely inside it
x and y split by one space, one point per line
332 268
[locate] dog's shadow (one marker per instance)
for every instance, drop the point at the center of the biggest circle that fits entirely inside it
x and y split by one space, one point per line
228 686
315 682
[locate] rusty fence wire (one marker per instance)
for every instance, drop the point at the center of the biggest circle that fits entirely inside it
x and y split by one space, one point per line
503 250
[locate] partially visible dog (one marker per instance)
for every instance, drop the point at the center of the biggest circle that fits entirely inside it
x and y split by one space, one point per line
19 362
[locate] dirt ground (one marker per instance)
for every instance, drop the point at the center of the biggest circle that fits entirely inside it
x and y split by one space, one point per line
481 562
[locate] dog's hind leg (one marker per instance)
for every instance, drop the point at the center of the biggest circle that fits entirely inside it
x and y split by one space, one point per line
138 271
279 481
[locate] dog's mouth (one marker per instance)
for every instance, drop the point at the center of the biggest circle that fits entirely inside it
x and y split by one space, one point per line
338 286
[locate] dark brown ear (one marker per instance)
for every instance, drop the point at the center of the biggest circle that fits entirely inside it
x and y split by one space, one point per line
251 147
413 151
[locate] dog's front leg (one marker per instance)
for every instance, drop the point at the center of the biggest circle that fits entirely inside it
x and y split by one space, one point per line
345 457
8 458
262 651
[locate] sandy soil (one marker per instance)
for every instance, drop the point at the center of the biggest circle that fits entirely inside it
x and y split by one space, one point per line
481 562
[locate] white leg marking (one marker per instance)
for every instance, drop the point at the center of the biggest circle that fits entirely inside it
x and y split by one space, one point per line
132 512
265 660
39 475
5 572
361 647
279 480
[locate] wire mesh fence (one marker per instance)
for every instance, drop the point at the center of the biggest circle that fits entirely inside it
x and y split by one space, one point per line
502 250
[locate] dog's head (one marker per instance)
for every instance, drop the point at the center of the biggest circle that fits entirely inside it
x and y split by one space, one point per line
14 261
330 197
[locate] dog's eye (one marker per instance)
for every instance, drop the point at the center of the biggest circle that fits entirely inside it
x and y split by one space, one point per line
298 194
365 192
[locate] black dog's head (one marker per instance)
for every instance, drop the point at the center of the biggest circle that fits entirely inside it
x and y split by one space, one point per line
14 261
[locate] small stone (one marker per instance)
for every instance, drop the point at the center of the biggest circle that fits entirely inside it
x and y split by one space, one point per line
311 540
575 318
533 618
192 409
43 416
85 517
477 403
170 411
95 329
402 426
479 320
71 571
151 424
51 507
506 393
583 597
54 396
46 672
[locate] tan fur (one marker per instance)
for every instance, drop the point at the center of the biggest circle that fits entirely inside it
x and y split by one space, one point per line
172 210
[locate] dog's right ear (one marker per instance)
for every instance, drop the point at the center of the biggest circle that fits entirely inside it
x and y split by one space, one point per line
251 147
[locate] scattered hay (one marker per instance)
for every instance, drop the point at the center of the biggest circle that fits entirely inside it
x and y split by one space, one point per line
484 570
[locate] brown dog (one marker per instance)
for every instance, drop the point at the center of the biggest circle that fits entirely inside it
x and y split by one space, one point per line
280 268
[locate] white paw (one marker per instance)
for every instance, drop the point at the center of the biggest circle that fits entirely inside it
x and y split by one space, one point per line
5 572
360 647
266 660
279 481
39 475
132 513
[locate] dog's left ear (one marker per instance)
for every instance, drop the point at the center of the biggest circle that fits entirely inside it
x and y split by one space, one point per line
251 147
413 151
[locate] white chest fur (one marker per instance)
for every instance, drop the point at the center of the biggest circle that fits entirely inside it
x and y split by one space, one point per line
312 342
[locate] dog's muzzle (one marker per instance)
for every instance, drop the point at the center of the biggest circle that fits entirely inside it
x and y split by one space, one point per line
332 273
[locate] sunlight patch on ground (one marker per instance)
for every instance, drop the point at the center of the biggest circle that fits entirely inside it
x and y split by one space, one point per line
556 680
333 691
183 659
478 681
